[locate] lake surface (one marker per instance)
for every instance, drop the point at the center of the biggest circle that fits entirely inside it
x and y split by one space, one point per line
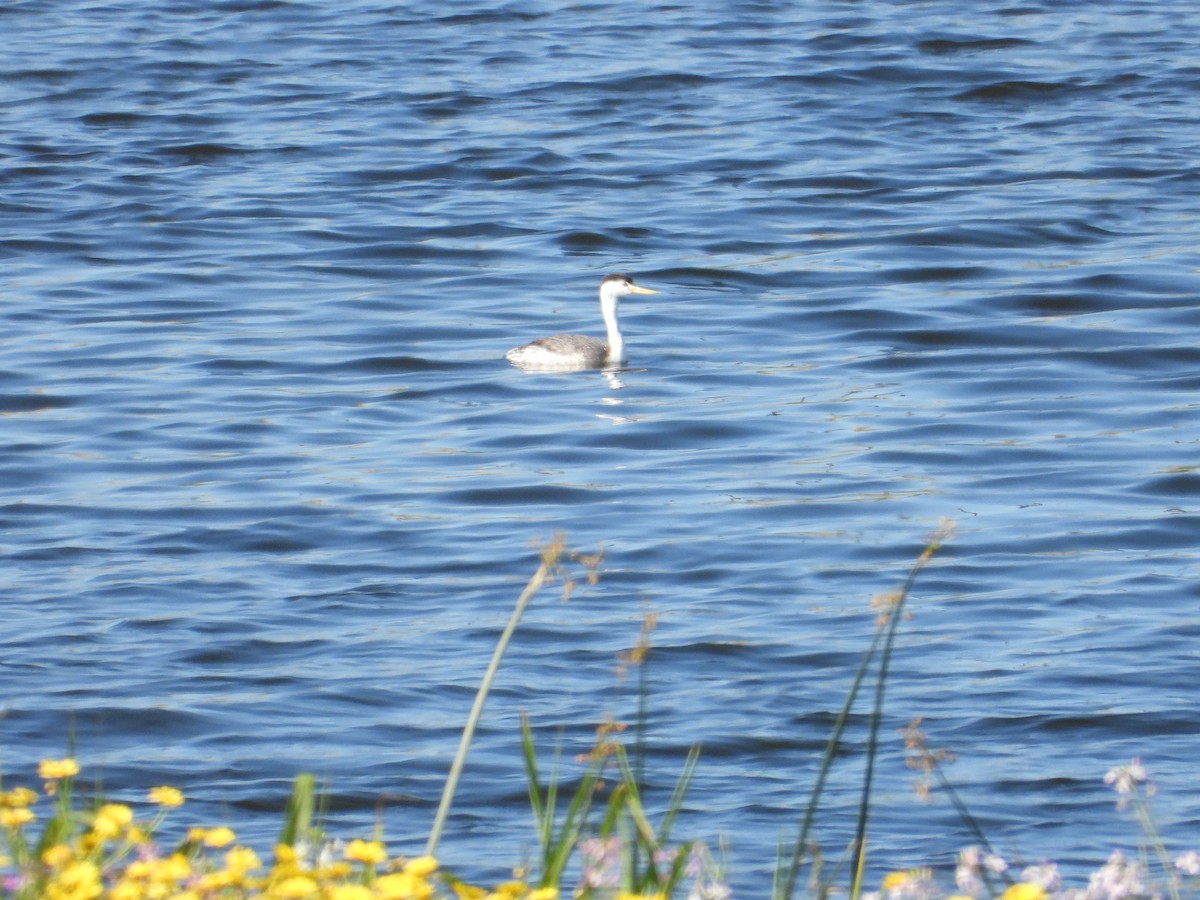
268 488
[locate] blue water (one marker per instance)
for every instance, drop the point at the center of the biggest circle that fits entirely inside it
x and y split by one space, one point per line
268 488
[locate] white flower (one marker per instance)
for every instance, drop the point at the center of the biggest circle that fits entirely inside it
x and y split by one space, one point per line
995 864
1046 876
1117 879
1189 863
1126 780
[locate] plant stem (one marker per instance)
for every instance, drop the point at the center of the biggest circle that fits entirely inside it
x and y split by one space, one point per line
550 556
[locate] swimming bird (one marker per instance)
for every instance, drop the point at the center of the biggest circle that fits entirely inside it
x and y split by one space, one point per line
578 351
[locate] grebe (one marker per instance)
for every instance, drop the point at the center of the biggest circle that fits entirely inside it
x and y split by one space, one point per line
577 351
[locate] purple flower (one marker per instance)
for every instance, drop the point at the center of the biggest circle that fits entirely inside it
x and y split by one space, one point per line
601 862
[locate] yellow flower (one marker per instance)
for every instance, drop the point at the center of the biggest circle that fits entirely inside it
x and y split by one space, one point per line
421 867
1024 891
13 819
285 854
175 867
78 881
296 886
18 798
138 870
336 871
127 890
402 886
166 796
242 860
895 881
216 882
111 819
369 852
468 891
546 893
510 890
52 769
57 856
219 837
349 892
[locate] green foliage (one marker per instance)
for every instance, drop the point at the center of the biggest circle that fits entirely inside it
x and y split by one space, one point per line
646 863
297 820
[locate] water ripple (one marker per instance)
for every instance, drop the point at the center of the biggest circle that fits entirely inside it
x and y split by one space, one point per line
268 485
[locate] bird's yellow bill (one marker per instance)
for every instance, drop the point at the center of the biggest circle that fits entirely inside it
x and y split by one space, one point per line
638 289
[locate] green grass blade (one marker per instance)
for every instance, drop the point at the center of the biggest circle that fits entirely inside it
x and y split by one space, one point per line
678 868
839 726
533 783
886 633
612 814
675 803
561 846
864 803
895 614
298 818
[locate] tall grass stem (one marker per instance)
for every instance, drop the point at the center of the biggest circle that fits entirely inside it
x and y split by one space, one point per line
550 557
886 632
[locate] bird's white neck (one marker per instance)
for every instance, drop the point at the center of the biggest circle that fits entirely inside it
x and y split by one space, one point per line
616 343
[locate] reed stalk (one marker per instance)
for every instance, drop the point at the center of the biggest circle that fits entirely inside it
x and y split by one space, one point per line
892 609
549 562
